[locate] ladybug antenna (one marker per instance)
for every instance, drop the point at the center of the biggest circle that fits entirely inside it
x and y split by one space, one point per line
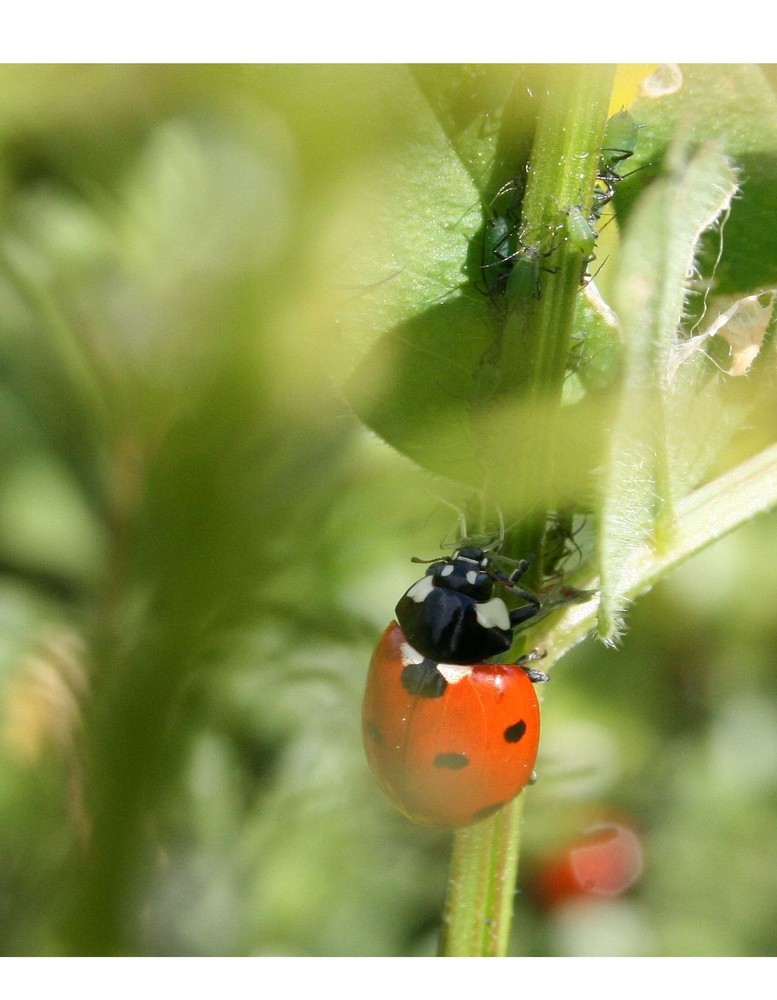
415 559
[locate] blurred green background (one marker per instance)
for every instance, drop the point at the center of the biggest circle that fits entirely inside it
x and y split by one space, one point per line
199 546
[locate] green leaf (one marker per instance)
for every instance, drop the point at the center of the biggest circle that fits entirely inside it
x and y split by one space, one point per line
418 296
706 515
597 345
735 106
659 248
470 105
428 382
416 386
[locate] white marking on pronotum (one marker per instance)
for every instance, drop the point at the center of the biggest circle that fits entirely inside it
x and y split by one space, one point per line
493 614
421 590
472 576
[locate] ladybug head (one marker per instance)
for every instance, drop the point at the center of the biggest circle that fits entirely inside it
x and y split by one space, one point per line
466 571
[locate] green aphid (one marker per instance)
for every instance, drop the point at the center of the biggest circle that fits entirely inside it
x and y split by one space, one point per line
620 140
580 231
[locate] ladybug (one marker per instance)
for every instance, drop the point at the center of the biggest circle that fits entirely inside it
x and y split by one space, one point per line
449 742
451 615
605 861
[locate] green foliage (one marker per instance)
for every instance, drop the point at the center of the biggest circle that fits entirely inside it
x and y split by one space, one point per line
732 107
212 280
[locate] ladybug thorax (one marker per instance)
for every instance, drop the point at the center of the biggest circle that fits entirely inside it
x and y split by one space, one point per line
451 614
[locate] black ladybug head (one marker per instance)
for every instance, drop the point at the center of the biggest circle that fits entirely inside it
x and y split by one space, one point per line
465 572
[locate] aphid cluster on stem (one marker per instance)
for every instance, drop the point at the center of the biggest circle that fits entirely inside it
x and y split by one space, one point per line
511 267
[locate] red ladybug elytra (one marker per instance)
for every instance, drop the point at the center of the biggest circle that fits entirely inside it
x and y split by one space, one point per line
450 743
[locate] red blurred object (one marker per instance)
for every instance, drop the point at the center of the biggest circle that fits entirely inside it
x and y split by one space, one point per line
604 861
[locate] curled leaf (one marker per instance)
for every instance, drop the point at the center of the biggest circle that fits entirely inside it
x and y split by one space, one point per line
658 253
742 323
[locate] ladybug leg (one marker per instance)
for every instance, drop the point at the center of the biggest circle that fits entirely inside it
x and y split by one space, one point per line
520 615
535 676
520 569
568 595
531 656
509 581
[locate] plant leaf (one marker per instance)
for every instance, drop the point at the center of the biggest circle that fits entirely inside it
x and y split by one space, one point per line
416 315
735 106
657 255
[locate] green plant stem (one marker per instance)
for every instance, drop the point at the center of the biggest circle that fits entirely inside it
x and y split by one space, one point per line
537 335
562 170
535 345
484 865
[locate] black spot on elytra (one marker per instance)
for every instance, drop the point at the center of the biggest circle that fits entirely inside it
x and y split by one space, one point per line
374 733
515 733
487 811
424 679
451 761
